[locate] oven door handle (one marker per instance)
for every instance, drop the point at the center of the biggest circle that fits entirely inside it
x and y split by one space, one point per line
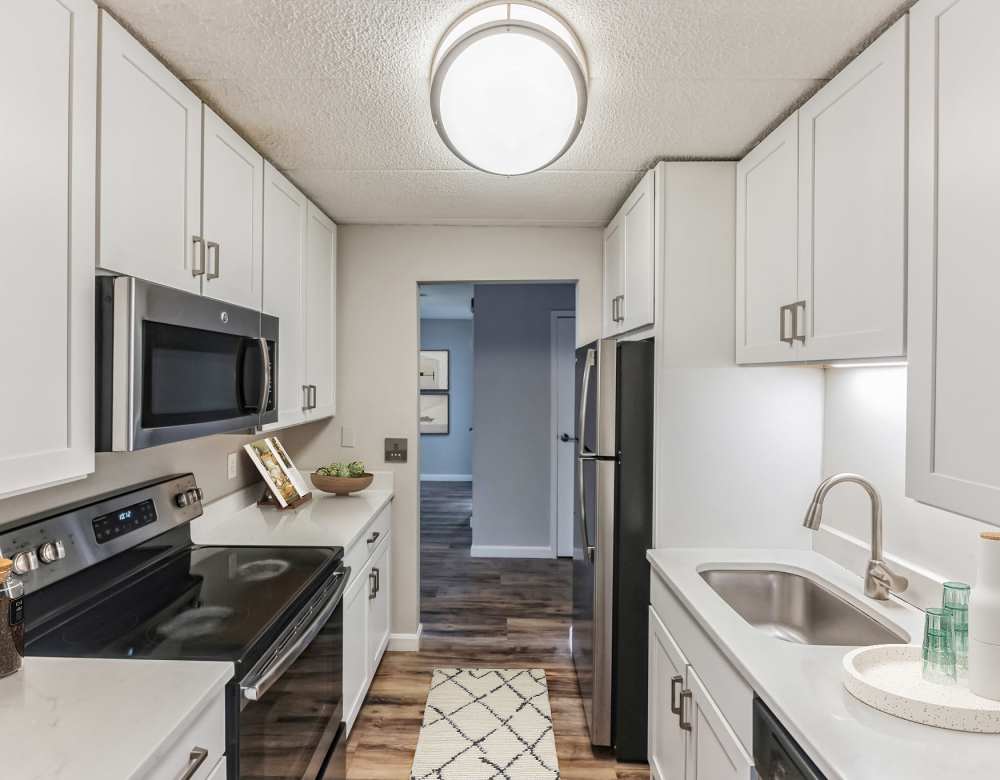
256 684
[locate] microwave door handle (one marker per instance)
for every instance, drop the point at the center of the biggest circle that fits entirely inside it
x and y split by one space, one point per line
265 361
256 685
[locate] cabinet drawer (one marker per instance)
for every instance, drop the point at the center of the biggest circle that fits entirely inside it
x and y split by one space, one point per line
207 732
361 552
729 690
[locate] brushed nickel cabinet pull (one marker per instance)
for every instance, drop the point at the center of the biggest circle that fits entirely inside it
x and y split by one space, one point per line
195 759
674 682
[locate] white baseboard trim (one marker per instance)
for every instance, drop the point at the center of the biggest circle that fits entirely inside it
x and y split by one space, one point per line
498 551
406 643
446 478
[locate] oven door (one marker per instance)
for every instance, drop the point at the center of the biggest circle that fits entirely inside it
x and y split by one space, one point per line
180 365
291 703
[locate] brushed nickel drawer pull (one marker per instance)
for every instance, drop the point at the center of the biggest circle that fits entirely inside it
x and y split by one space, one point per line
195 760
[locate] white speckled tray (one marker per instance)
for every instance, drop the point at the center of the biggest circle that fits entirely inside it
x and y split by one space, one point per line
890 678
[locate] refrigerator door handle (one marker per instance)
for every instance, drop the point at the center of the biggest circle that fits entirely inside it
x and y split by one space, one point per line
582 455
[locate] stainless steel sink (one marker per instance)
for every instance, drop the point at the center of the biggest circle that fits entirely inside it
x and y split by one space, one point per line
797 609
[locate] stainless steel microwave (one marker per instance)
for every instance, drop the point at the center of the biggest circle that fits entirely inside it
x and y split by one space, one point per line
175 365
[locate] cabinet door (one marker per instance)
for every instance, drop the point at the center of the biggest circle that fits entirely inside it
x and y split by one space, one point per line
233 211
48 73
356 669
852 207
378 606
285 214
714 752
953 460
614 274
150 184
767 247
320 295
667 668
219 772
636 309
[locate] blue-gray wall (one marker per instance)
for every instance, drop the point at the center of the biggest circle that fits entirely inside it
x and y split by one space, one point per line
512 450
451 454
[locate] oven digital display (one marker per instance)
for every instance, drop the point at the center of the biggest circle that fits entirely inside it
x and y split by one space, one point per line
122 521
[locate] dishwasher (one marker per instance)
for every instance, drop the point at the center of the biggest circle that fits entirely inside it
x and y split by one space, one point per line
776 755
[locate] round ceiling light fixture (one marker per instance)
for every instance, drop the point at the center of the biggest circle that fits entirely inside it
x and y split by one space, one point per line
509 88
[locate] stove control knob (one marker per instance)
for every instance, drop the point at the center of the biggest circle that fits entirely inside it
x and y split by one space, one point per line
201 494
182 500
25 561
50 552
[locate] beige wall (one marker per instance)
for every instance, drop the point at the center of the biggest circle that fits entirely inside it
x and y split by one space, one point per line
379 268
206 458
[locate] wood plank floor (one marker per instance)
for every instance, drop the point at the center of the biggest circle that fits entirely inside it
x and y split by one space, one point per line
481 612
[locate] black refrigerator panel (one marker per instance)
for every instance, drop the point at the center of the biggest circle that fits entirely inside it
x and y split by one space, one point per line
633 537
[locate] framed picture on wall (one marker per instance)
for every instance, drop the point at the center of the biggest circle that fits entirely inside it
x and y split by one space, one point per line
434 370
434 413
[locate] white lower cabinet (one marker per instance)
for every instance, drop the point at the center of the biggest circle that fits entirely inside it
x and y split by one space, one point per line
366 611
378 604
355 646
219 772
689 737
199 751
713 751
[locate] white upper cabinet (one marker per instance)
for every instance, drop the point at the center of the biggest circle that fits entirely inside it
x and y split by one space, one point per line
767 247
320 296
233 190
852 207
639 215
953 460
285 214
150 182
48 145
821 221
614 274
629 262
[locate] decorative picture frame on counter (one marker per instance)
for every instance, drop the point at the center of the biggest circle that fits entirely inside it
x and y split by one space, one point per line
435 370
435 414
285 487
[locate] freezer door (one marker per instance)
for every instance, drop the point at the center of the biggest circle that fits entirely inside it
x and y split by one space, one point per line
593 547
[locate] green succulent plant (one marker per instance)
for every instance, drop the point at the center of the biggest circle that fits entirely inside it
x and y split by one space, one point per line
353 469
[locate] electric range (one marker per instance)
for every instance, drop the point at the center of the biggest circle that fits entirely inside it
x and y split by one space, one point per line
118 577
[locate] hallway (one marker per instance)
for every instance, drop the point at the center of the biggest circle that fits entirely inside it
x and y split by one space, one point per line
477 612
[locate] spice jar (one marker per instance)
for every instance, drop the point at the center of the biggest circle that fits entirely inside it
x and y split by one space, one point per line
11 620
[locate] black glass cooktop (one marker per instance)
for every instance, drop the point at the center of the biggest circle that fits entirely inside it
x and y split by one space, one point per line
203 603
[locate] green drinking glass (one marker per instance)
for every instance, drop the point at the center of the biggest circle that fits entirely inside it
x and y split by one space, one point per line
955 599
939 647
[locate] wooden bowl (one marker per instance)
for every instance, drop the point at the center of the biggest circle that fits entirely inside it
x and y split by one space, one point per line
341 486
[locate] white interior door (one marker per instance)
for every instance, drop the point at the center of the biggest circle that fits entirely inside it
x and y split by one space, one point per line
564 392
48 148
150 183
233 195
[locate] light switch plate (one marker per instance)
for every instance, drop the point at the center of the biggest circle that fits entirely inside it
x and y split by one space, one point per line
395 450
346 436
231 465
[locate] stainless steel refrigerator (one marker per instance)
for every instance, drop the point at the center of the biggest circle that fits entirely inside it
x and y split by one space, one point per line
613 530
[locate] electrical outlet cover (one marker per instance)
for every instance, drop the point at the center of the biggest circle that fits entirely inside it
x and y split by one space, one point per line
231 465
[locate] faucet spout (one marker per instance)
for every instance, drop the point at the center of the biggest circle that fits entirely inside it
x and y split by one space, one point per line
880 580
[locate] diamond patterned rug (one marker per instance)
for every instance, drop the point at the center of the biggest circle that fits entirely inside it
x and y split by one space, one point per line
487 724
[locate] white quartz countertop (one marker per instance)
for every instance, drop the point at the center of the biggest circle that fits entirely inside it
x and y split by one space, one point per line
323 521
802 684
99 719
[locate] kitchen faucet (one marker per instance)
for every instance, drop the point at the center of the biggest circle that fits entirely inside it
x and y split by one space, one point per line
880 580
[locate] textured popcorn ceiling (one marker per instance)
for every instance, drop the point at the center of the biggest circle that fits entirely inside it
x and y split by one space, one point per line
335 93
